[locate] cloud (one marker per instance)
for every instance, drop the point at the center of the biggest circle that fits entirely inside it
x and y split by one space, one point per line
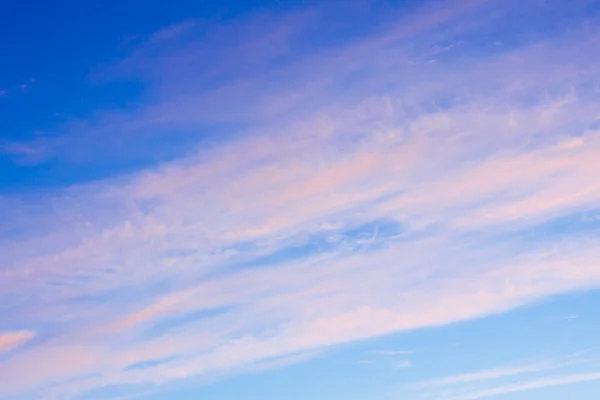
403 364
12 340
375 192
392 352
389 356
490 374
506 379
529 385
196 83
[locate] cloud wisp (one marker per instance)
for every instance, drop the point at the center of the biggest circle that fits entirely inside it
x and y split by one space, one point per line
12 340
508 379
530 385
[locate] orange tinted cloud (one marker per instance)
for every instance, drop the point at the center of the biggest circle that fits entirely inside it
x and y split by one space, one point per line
12 340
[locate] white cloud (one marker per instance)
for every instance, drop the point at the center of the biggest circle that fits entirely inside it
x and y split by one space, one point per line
491 374
392 352
528 385
574 368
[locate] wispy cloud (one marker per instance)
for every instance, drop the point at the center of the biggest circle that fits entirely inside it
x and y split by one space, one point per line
374 192
12 340
529 385
392 352
490 374
507 379
388 357
403 364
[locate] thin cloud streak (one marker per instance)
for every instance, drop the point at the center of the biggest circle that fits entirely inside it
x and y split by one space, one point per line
529 385
12 340
491 374
392 352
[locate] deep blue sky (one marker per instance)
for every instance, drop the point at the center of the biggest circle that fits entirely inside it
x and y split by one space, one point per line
62 45
64 51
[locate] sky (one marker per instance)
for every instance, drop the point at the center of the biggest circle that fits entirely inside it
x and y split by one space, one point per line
357 199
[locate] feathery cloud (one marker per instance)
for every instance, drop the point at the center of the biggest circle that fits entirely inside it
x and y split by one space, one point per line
375 192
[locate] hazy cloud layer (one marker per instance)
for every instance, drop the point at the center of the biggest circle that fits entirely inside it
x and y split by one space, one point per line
390 182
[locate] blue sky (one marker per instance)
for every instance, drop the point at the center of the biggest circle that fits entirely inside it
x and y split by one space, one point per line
300 200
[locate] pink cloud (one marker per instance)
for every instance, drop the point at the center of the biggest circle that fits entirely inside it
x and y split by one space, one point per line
182 235
11 340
